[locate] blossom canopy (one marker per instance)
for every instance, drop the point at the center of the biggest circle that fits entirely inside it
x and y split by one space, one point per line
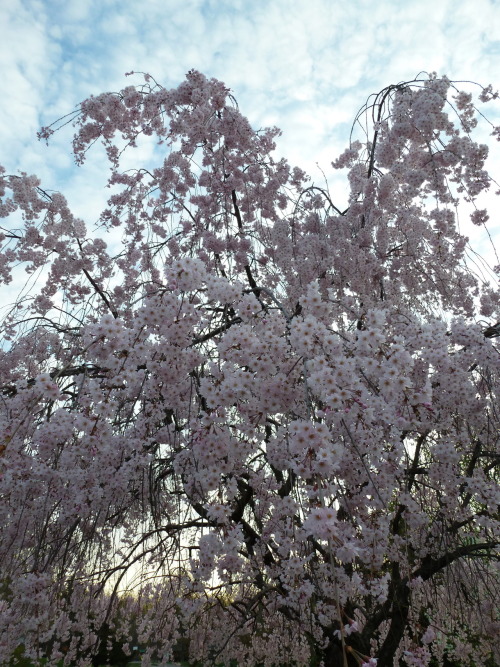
239 421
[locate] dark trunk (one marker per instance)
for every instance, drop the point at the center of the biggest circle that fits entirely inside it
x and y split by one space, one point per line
400 609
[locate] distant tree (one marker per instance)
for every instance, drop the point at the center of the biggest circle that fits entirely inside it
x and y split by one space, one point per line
272 421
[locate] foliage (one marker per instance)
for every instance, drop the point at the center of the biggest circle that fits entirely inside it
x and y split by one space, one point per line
272 421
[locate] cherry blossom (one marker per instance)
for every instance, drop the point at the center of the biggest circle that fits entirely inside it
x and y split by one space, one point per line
266 424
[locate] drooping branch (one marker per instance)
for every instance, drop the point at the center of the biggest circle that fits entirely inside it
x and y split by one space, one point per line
431 565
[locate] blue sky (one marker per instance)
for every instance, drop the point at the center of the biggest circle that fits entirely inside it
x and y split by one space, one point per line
304 65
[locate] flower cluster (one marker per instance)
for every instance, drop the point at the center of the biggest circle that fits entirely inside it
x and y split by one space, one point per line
185 274
47 387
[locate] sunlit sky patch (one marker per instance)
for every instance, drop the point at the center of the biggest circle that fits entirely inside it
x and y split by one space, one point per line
303 65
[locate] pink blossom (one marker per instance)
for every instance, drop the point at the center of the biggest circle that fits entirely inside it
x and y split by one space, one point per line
254 423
